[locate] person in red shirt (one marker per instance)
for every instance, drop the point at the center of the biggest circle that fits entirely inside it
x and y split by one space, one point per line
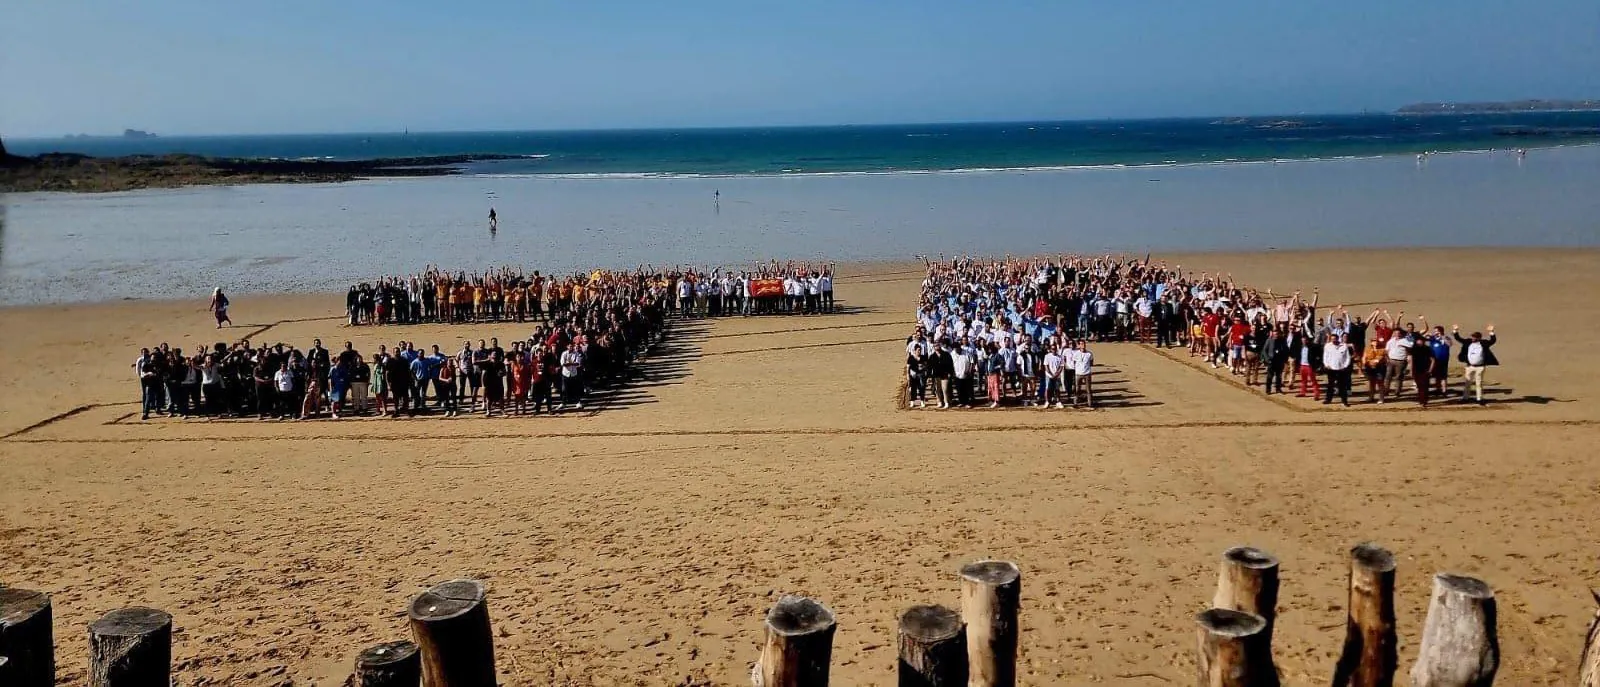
1210 321
1236 335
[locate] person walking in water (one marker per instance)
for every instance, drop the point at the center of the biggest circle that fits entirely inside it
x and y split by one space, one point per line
494 220
219 307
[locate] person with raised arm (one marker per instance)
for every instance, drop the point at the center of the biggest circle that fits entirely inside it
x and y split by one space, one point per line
1477 353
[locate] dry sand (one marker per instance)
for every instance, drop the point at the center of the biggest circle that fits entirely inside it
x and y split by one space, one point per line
641 544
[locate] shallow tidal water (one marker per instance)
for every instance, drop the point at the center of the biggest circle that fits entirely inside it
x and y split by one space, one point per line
320 237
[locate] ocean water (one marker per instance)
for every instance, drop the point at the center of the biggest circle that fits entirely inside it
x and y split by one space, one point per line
320 237
899 148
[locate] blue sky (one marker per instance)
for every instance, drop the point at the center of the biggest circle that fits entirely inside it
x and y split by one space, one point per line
293 66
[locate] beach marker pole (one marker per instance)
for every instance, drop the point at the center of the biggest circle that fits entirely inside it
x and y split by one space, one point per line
391 664
1234 650
799 645
933 648
131 647
991 596
27 639
1460 647
1248 582
1370 656
1589 665
450 623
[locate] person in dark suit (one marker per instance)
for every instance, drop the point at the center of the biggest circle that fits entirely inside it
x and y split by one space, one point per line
940 370
1276 353
1166 316
1477 354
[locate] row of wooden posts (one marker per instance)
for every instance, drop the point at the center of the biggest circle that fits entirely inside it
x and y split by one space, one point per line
974 646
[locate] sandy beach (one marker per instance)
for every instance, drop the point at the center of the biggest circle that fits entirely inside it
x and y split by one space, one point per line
641 542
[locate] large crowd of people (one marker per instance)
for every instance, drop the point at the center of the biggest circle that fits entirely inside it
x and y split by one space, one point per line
590 329
1016 331
593 344
508 294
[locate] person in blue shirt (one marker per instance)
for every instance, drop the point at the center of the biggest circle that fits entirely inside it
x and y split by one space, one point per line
419 380
1440 344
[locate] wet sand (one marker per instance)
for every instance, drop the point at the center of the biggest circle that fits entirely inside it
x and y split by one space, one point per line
640 543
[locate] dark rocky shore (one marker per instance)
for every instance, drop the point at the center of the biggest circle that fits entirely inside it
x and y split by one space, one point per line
84 174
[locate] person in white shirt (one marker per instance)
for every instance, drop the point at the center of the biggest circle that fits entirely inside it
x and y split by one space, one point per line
571 378
685 297
825 284
1083 375
1053 364
1396 352
964 363
1336 359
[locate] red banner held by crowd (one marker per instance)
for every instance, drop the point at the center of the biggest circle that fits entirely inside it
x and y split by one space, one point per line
766 288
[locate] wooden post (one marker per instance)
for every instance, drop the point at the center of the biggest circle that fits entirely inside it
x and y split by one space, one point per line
1234 650
933 648
450 623
390 664
991 597
799 645
27 639
1589 665
131 647
1370 656
1248 581
1459 645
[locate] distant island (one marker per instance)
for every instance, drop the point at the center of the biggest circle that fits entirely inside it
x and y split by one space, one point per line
73 172
1502 106
126 133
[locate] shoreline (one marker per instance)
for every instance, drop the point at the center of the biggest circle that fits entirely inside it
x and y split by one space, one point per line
47 173
849 270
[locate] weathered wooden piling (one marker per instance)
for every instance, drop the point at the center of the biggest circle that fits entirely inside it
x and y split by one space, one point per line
1460 646
450 623
1234 650
1370 656
798 650
390 664
991 598
933 648
1248 582
27 638
131 647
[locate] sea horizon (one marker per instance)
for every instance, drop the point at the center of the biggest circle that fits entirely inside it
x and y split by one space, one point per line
876 148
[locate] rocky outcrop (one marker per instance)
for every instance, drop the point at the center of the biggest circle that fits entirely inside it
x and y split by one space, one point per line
81 173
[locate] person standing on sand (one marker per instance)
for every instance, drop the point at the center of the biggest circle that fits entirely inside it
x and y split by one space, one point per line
1397 355
1477 353
219 307
1421 368
1083 374
494 220
1336 359
916 369
1277 353
145 369
380 388
1440 347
